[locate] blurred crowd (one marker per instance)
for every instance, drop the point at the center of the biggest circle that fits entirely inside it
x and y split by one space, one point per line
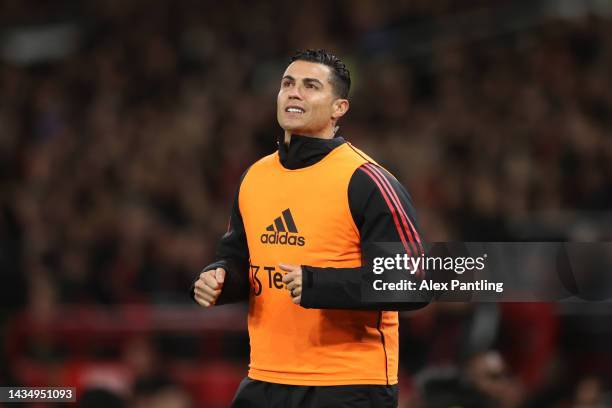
119 161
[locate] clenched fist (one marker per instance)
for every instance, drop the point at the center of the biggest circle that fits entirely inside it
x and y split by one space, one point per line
293 281
208 287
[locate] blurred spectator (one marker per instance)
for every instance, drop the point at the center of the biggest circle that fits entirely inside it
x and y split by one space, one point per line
487 372
443 388
158 392
589 394
483 381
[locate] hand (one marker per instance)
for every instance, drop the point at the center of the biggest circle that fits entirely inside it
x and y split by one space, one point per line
208 286
293 280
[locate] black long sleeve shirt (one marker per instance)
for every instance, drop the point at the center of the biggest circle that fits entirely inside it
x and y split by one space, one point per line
376 200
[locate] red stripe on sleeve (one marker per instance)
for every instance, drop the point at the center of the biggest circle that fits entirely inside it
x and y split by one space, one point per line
414 235
400 231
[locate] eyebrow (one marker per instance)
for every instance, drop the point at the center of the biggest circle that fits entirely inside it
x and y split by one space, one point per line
315 80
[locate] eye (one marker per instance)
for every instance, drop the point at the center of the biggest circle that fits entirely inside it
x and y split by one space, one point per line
311 86
285 84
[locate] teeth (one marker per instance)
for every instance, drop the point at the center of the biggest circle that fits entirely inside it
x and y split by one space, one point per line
295 110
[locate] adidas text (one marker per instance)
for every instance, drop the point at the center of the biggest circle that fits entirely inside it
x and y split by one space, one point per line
276 238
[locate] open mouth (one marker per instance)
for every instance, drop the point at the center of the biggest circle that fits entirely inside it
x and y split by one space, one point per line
294 109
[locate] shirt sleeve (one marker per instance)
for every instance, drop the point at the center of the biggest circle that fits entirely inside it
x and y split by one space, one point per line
383 212
233 256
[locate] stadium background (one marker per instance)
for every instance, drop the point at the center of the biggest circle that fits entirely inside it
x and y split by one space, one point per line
125 125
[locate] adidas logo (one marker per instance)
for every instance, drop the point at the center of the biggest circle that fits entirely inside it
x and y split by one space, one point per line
283 231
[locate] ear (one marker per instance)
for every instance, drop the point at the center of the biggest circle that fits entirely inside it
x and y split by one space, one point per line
340 107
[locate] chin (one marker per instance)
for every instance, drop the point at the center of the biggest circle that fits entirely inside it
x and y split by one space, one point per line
292 128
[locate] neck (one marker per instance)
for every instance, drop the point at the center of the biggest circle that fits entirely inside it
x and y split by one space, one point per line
325 134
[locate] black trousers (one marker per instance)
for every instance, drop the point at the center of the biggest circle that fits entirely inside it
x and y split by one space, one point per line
260 394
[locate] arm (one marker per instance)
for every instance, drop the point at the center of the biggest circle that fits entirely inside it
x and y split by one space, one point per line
233 257
383 212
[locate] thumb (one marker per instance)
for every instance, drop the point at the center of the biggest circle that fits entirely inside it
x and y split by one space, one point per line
220 275
287 267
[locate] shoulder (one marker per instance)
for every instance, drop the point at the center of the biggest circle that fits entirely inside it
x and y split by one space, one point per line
262 164
368 175
369 172
266 160
347 159
259 164
359 154
371 179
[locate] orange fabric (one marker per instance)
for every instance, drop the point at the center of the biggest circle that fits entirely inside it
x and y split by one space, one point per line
291 344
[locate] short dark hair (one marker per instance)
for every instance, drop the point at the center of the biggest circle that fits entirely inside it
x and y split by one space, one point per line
341 77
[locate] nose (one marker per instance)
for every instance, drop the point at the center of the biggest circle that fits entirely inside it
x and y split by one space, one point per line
294 93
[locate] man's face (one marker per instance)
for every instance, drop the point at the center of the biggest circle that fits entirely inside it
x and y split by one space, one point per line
307 104
488 373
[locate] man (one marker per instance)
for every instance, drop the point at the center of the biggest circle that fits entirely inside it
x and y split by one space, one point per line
303 221
487 372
